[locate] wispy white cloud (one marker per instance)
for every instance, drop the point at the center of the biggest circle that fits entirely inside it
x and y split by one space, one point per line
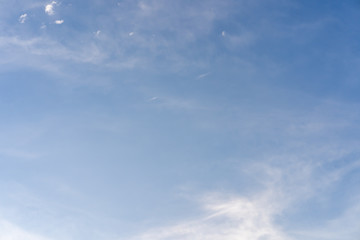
147 8
163 31
49 8
46 47
302 174
23 18
173 103
182 27
203 75
255 217
231 219
166 30
153 99
59 22
97 33
9 231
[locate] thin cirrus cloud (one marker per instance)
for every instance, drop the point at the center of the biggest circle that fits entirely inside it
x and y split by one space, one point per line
291 181
231 219
145 41
280 154
42 48
203 75
257 217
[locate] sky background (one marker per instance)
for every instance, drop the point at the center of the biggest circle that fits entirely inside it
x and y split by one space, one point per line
179 120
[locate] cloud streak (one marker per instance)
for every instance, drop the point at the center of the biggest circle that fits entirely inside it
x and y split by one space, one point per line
203 75
256 217
23 18
231 219
302 174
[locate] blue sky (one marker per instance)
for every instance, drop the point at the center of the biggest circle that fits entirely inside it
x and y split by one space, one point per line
169 120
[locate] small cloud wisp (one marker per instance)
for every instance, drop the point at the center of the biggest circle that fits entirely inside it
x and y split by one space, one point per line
49 8
23 18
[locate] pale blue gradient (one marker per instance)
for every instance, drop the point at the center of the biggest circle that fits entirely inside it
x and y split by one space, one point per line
164 120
